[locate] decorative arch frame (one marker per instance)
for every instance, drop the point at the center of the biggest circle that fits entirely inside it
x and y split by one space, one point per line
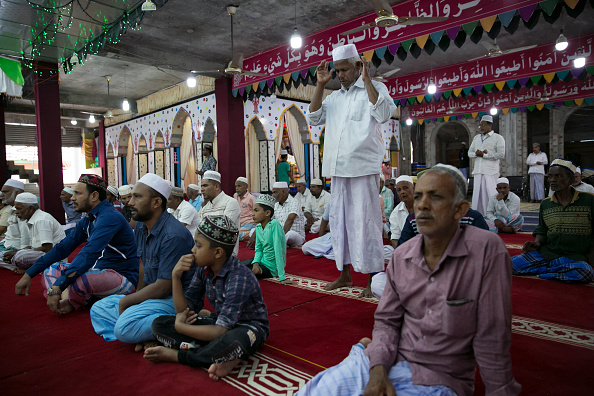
431 138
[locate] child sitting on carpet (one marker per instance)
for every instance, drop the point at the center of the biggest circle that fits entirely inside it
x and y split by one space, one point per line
271 246
239 325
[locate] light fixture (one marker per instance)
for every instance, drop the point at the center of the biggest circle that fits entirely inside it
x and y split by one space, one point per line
561 43
74 59
125 105
296 40
92 119
73 121
493 111
148 5
191 81
579 60
431 88
408 122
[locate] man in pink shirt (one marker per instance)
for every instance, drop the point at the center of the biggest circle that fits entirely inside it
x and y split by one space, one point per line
246 205
446 307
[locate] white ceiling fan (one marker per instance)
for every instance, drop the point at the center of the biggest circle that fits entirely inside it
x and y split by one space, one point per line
382 77
386 18
493 50
235 66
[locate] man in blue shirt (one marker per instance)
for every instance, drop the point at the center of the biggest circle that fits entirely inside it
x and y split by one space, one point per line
195 197
107 264
161 241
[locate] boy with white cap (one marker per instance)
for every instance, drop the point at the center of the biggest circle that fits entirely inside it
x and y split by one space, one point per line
503 212
284 168
353 153
217 202
9 191
316 206
487 148
246 203
182 210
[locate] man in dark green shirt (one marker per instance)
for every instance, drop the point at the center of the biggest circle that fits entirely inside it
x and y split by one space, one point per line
284 168
563 249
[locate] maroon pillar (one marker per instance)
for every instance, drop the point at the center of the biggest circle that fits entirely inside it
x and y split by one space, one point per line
3 164
101 152
49 137
230 141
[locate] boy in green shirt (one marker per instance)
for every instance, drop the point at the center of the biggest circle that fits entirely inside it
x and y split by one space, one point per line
271 245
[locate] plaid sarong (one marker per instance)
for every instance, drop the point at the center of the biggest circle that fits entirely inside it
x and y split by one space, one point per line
562 269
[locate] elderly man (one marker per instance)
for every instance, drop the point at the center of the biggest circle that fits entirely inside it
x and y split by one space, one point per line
288 213
72 216
388 197
405 189
182 210
217 202
563 249
125 196
353 153
107 264
579 185
9 191
446 308
315 206
303 192
503 212
44 231
161 241
536 161
209 164
195 197
246 203
488 148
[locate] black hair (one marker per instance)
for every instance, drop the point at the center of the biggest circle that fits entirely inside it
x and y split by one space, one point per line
207 148
266 207
228 249
155 194
102 193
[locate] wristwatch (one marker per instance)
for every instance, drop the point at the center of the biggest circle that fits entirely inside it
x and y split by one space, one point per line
52 292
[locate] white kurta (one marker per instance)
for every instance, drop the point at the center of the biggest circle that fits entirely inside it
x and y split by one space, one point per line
187 215
504 208
317 206
44 228
486 168
398 220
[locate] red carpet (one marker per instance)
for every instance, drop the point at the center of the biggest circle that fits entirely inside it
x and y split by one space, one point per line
552 349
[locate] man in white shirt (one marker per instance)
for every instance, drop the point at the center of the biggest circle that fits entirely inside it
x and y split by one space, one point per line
303 192
182 210
9 191
353 153
217 202
579 185
44 231
503 211
289 214
488 148
315 206
536 162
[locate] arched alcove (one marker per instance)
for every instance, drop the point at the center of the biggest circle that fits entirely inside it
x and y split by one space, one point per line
445 142
260 164
111 165
160 165
142 157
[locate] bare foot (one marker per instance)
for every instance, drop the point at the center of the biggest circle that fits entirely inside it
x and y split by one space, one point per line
366 293
337 284
218 371
365 341
64 307
161 354
143 346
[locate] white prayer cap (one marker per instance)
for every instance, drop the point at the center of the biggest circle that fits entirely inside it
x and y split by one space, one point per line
26 198
15 183
503 180
113 190
487 118
405 178
280 185
284 152
212 175
300 181
194 187
382 177
578 170
242 179
344 52
316 182
68 190
125 190
156 183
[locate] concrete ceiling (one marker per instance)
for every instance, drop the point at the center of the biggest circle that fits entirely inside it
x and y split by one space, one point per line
186 35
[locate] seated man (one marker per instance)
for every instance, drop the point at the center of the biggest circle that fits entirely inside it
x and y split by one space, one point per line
288 213
315 206
503 210
195 197
107 264
112 197
161 241
303 192
72 216
9 191
125 195
579 185
45 232
446 307
182 210
405 189
563 249
217 202
246 203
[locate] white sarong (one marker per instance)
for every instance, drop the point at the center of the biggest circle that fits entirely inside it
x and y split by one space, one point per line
484 187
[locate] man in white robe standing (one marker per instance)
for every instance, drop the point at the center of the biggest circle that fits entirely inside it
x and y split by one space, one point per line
487 148
353 153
